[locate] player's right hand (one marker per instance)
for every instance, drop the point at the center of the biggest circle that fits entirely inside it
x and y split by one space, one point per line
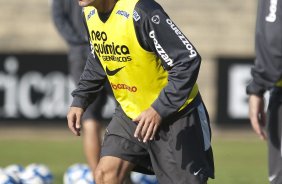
74 119
257 115
147 124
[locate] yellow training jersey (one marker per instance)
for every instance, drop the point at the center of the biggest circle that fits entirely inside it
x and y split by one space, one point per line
136 75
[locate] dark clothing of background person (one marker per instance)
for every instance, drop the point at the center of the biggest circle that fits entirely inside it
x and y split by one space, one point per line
267 75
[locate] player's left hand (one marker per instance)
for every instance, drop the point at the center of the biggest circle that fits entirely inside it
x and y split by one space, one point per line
148 123
257 115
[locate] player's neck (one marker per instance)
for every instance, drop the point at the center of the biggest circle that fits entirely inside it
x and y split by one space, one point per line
104 6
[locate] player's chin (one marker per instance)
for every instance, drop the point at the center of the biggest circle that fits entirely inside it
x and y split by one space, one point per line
82 3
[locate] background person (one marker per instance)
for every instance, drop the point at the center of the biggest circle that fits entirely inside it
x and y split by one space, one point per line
267 75
68 19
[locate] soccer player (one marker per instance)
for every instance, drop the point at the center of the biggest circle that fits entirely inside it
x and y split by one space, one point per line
68 19
161 123
267 75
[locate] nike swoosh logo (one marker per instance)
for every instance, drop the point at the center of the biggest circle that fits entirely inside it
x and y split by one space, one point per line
113 72
196 173
272 177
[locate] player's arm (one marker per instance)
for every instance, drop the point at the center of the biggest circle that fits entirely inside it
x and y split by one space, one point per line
90 84
160 35
268 46
163 36
63 24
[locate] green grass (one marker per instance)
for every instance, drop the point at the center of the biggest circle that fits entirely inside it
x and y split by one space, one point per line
241 161
57 155
238 160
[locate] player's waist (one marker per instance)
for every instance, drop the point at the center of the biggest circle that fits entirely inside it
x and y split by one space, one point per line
174 116
279 84
187 109
276 91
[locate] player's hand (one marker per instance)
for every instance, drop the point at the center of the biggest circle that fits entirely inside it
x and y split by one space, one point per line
148 123
74 119
257 115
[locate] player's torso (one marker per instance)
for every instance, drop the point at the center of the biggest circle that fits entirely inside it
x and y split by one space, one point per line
136 75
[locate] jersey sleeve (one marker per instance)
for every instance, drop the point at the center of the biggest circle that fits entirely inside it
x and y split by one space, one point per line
267 69
158 33
90 84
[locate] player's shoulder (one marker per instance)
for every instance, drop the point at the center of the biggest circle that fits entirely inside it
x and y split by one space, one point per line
147 7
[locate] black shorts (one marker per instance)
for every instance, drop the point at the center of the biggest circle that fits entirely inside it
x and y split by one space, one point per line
180 153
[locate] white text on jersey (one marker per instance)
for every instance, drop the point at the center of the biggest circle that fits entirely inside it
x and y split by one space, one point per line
184 40
160 49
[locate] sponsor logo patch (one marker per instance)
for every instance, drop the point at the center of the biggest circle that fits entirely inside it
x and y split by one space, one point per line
160 49
123 13
184 40
113 72
197 172
90 14
136 16
109 51
156 19
132 89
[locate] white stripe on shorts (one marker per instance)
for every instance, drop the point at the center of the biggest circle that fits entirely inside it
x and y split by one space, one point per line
204 125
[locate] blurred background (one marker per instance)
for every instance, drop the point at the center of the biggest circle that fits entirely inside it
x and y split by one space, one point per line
35 86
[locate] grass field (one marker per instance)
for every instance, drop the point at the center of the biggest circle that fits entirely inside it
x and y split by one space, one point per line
240 158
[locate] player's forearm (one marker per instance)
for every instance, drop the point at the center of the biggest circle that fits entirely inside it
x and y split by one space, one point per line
178 56
181 82
90 84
